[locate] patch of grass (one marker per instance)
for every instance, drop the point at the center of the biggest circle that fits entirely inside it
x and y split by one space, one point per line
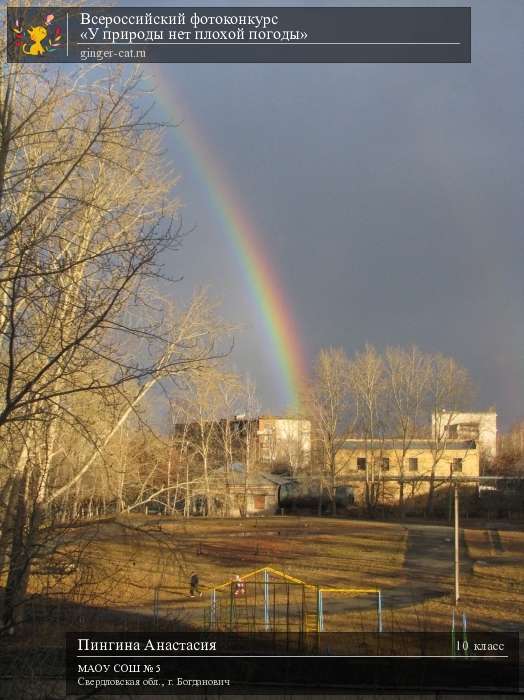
136 563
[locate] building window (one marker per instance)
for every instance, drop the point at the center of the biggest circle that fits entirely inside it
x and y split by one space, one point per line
385 464
457 464
265 447
361 463
453 432
413 464
259 502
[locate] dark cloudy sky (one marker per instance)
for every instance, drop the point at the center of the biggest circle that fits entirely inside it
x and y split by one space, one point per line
390 198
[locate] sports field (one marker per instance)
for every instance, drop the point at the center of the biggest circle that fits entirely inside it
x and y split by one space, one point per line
142 564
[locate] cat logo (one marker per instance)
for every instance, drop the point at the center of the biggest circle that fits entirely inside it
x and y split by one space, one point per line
39 39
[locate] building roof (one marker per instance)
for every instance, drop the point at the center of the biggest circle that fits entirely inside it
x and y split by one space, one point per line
491 411
237 477
277 479
295 419
418 444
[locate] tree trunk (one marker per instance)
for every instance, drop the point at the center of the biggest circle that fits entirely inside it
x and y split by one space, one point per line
19 558
333 487
401 496
431 493
11 498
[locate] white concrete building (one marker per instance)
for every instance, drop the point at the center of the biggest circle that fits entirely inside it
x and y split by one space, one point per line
480 426
284 440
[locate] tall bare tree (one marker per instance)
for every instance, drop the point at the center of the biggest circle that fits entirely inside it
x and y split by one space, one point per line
368 385
86 215
449 390
328 402
407 372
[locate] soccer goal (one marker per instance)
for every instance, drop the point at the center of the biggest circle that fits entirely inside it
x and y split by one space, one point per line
271 600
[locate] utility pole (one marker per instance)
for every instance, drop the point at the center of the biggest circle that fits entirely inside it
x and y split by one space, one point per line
457 591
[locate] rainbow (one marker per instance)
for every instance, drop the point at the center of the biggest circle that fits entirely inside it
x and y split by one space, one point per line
265 289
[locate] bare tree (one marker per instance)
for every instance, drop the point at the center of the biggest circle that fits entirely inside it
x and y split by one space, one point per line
368 385
230 391
200 402
328 402
407 372
449 388
510 451
86 214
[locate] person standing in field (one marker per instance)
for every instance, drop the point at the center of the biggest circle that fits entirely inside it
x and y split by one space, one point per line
239 587
193 585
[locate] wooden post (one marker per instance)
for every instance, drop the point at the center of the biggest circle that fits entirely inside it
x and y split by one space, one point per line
453 632
457 552
213 611
320 610
266 600
231 603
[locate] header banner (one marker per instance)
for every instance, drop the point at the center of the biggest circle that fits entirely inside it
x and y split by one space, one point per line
239 34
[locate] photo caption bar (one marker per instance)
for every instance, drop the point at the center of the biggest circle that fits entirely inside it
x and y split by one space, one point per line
291 662
239 35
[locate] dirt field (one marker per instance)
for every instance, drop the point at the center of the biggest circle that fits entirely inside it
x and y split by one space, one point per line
142 564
